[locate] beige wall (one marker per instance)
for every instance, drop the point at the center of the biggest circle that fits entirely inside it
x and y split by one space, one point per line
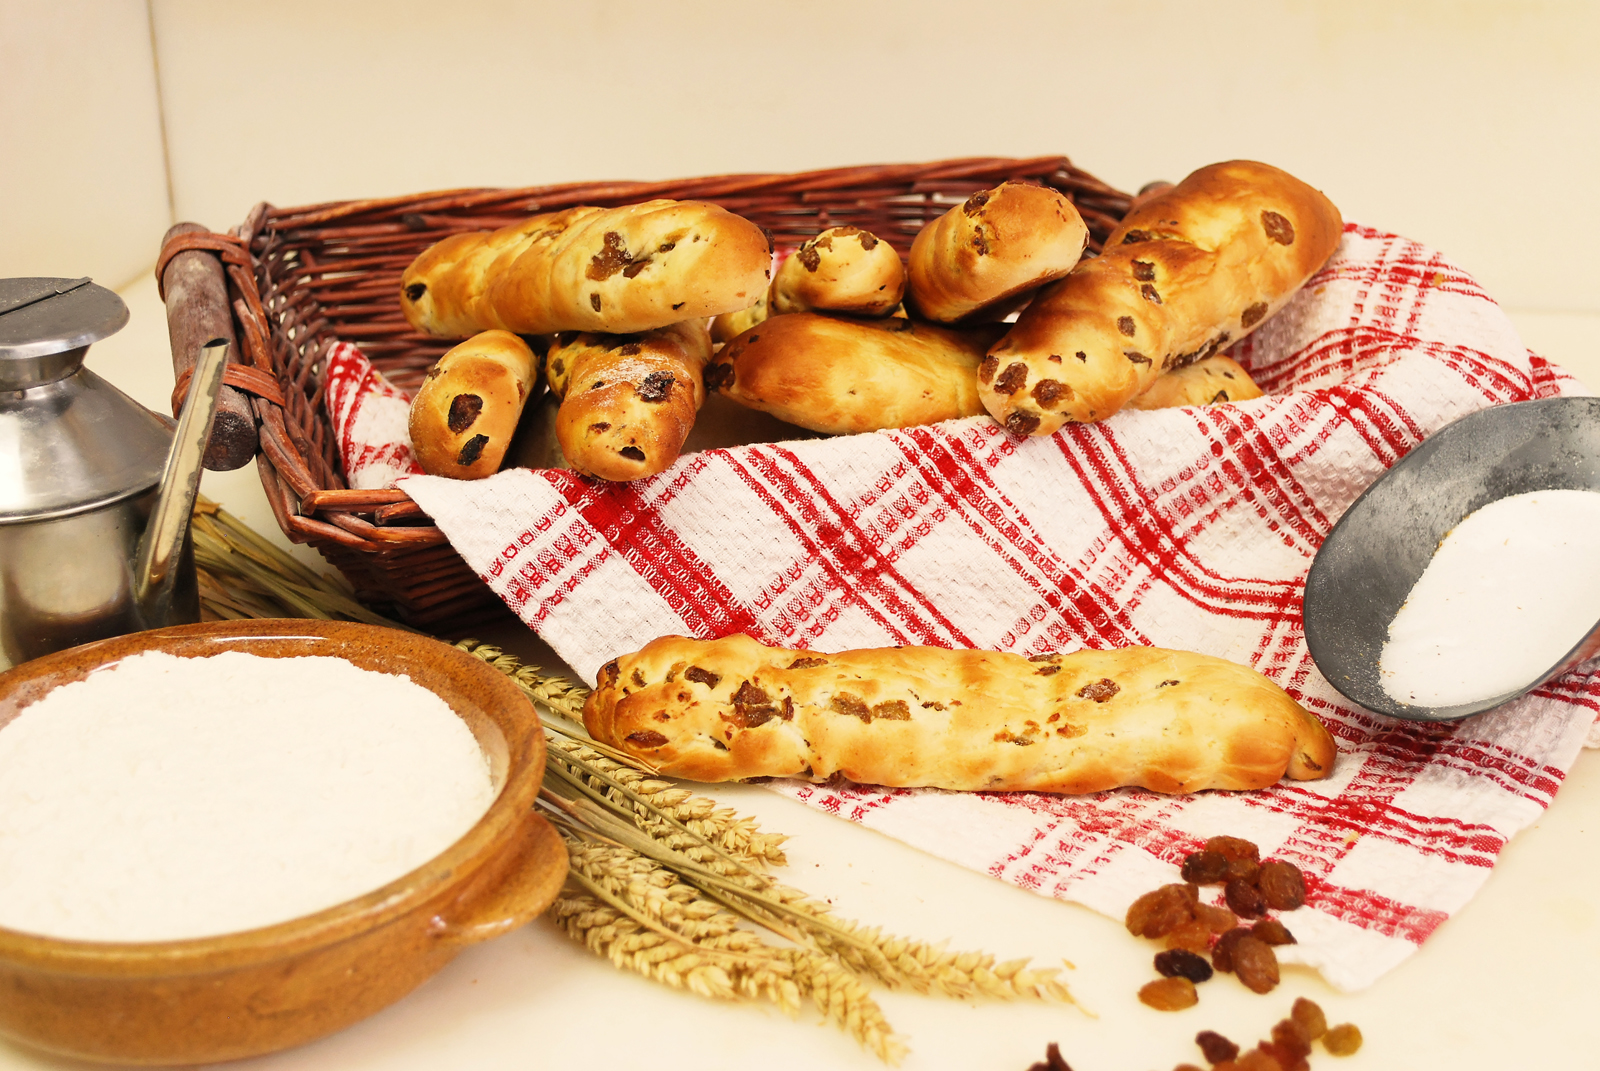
83 184
1468 124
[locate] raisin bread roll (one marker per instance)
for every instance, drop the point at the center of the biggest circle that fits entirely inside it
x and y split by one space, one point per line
1209 382
1191 270
730 325
627 401
999 245
614 270
843 269
842 376
1169 721
464 414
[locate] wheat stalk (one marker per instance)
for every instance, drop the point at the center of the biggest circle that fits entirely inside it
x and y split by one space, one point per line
662 882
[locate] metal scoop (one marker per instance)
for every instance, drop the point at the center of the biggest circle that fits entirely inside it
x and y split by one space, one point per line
1374 555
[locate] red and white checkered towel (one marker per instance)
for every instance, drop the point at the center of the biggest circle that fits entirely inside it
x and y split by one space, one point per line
1187 528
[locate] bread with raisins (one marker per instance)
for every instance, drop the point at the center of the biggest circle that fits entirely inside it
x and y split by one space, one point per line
464 414
1169 721
1190 271
843 269
613 270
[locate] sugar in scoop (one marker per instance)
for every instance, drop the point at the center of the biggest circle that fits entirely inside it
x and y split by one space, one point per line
1510 591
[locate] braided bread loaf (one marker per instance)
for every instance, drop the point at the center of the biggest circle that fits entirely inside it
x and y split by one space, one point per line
1189 271
617 270
1170 721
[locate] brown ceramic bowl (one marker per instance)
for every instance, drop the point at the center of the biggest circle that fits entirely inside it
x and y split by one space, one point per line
247 993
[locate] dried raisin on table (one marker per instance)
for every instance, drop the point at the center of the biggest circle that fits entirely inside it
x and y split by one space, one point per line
1187 1067
1169 994
1244 899
1052 1060
1291 1037
1256 964
1234 848
1217 919
1258 1059
1282 885
1245 870
1193 935
1159 912
1204 868
1181 963
1273 932
1308 1013
1287 1059
1342 1040
1222 951
1214 1047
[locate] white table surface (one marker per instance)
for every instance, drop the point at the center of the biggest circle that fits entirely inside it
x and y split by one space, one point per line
1510 981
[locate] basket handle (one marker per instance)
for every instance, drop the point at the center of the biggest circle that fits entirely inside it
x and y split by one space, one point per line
195 289
515 895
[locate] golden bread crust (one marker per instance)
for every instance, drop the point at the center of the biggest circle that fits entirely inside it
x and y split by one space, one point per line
997 245
1188 272
614 270
1211 381
628 402
842 376
843 269
463 416
1169 721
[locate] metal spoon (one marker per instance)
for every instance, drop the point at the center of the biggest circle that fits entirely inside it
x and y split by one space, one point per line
1374 555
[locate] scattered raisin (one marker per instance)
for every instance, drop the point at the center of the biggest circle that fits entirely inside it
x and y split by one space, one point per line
1204 868
1052 1061
1245 870
1181 963
1258 1060
1217 919
1187 1067
1215 1047
1195 936
1282 885
1244 899
1308 1013
1234 848
1170 994
1284 1058
1342 1040
1290 1037
1222 952
1272 932
1255 964
1158 913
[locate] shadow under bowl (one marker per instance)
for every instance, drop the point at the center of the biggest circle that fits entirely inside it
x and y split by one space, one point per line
257 991
1369 563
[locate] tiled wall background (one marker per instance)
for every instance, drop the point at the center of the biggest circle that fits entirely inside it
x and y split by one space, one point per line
1468 124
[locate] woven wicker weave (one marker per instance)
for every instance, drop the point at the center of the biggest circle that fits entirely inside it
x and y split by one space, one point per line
302 278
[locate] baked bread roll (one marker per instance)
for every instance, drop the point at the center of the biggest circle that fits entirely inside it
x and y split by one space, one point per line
999 245
1191 270
730 325
1209 382
627 401
464 414
843 269
615 270
1170 721
842 376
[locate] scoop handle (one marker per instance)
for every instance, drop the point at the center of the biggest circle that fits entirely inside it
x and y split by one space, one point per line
156 566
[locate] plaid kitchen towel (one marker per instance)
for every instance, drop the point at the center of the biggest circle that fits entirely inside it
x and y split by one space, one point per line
369 417
1185 528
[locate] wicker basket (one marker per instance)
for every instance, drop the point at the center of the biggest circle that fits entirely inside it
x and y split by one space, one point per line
301 278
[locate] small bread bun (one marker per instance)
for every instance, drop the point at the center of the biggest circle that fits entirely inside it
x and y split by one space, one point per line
971 262
843 269
840 376
627 401
730 325
467 408
1211 381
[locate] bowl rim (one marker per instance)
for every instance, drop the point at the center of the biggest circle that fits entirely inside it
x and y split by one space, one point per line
510 710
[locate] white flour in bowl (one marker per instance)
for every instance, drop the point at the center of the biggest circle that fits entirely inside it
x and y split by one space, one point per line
165 798
1510 591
